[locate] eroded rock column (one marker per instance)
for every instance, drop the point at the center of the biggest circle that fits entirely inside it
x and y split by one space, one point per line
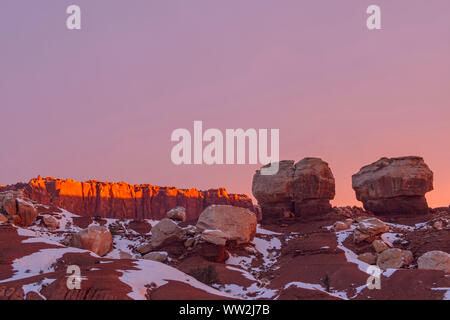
394 186
303 188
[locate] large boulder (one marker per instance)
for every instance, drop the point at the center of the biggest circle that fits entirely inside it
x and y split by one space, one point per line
237 224
435 260
26 212
177 214
394 186
313 186
9 205
394 258
96 239
305 188
275 192
166 232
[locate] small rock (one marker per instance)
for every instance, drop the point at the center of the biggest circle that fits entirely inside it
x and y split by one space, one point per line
288 214
177 214
216 237
159 256
191 230
372 226
250 249
124 255
394 258
50 222
146 248
379 246
3 219
368 257
339 226
189 242
166 232
349 221
369 228
212 252
438 225
435 260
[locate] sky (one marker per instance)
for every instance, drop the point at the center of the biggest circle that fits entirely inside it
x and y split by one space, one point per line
101 102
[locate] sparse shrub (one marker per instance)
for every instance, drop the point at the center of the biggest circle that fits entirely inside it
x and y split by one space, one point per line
205 274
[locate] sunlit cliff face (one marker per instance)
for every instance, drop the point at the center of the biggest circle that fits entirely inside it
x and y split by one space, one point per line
122 200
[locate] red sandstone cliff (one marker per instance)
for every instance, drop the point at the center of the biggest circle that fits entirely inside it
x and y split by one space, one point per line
122 200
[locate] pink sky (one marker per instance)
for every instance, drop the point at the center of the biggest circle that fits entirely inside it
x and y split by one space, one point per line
101 103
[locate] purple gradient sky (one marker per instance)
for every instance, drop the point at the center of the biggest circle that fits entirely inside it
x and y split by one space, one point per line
101 103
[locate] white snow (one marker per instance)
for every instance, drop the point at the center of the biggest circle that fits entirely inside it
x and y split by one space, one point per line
37 286
158 273
249 293
261 230
39 262
318 287
349 254
389 237
447 293
266 248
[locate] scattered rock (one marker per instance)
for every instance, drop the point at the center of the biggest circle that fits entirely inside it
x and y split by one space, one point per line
214 236
394 186
3 219
288 214
27 213
140 226
146 248
124 255
9 205
189 242
50 222
368 257
349 221
191 230
212 252
379 246
394 258
339 226
177 214
238 224
96 239
159 256
368 229
166 232
435 260
438 225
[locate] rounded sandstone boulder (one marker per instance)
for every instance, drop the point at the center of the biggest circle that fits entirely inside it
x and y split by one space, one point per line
96 239
305 188
236 224
435 260
394 186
